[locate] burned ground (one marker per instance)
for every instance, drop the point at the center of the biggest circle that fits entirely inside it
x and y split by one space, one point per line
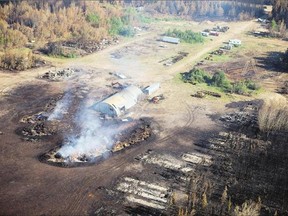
128 136
271 62
250 164
194 151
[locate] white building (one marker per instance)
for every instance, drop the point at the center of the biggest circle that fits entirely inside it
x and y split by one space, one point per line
118 103
152 88
235 42
171 40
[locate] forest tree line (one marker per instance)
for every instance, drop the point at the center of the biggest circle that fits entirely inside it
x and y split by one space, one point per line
232 10
280 11
47 21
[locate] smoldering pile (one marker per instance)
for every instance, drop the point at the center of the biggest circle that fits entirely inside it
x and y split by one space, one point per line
34 127
58 75
109 138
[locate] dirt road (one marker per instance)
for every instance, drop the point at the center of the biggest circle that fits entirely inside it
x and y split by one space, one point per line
235 32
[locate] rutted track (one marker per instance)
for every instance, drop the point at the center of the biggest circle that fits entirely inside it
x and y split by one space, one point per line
190 120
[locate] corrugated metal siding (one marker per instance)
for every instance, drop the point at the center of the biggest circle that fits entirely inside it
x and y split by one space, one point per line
152 88
171 40
124 99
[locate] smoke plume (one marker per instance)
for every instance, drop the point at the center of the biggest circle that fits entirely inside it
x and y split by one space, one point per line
92 140
61 107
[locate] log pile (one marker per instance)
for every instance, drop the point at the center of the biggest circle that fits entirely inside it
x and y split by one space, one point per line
138 135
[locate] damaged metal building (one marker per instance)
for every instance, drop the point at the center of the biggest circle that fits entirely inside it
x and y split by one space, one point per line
119 102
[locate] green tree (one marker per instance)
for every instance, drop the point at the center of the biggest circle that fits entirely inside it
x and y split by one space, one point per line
94 19
115 25
219 80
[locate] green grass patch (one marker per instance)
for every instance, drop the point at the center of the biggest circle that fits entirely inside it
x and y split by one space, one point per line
219 81
121 27
64 56
147 19
221 58
172 18
186 36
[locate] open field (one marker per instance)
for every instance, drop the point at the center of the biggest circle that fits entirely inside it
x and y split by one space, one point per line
152 176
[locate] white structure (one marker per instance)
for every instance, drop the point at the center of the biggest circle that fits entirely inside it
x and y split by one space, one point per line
152 88
171 40
235 42
121 76
119 102
205 34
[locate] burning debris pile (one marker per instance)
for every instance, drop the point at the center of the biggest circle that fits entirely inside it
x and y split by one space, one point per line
36 125
140 134
58 75
36 130
98 140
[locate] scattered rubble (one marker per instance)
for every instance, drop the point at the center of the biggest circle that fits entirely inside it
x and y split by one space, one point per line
218 52
92 46
36 130
39 117
77 47
157 99
119 86
200 63
140 134
240 118
35 125
58 75
174 59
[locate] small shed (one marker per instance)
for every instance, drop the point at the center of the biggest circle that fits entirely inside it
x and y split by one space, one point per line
214 33
235 42
119 102
152 88
171 40
205 34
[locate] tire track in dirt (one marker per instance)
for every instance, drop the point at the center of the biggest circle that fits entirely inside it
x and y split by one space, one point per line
190 117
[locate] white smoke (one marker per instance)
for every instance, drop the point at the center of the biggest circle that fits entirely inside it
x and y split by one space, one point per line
61 107
92 140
